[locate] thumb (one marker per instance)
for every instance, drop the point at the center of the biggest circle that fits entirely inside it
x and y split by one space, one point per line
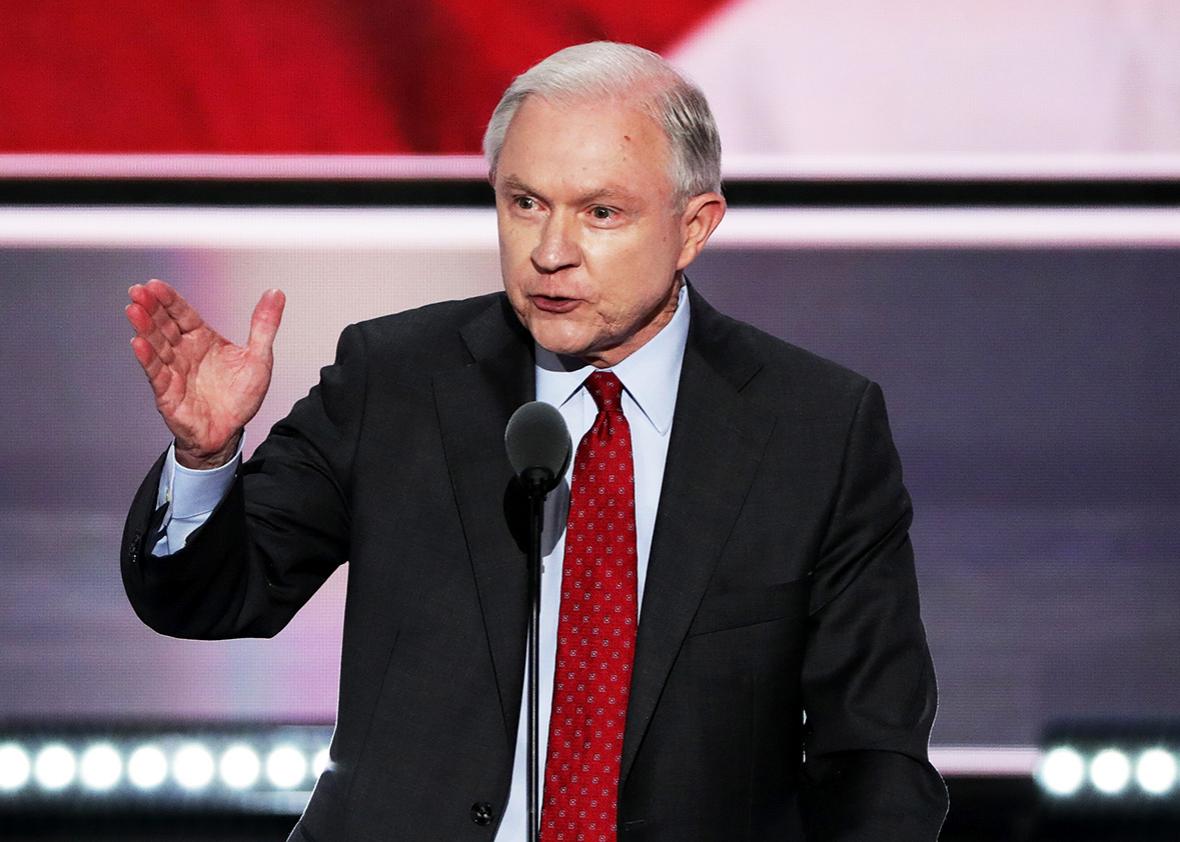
264 324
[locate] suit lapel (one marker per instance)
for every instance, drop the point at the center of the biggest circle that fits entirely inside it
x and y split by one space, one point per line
717 442
474 404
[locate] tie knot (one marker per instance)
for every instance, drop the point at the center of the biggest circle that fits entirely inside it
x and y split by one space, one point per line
607 391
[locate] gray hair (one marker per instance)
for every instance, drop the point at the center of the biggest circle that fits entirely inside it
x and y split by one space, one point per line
606 70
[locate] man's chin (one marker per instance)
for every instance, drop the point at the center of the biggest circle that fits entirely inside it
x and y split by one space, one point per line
563 348
561 343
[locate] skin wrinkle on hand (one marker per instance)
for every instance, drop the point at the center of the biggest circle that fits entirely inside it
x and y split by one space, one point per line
206 388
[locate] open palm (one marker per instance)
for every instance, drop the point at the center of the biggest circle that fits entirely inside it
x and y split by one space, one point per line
206 387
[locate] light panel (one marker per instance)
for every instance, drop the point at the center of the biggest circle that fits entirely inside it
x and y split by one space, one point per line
101 767
1155 771
55 767
192 766
286 767
1110 771
15 768
240 767
1098 766
1062 771
147 767
266 768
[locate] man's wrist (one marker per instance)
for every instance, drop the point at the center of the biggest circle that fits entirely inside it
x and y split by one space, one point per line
197 460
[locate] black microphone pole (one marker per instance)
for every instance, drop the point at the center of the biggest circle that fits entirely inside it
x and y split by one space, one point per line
538 445
536 522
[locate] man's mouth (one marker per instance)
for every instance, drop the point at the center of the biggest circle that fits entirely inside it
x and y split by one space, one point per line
553 303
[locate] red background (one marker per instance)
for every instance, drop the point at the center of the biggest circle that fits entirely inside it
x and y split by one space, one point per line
306 76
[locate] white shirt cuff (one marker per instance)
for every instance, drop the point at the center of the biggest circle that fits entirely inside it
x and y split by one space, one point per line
191 495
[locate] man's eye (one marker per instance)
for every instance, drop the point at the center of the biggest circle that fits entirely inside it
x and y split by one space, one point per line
602 213
525 202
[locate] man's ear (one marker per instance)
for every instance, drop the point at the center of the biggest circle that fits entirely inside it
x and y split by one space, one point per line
702 214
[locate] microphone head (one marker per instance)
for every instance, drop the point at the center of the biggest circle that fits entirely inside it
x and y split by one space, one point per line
538 445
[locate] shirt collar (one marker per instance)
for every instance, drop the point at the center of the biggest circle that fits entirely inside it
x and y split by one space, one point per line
651 374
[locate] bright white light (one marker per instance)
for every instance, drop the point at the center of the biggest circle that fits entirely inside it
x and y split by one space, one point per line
286 767
240 767
1110 771
147 767
1062 771
320 762
192 766
15 767
101 767
1155 771
55 767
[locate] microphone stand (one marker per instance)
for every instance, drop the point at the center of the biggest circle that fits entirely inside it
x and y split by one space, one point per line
538 445
537 481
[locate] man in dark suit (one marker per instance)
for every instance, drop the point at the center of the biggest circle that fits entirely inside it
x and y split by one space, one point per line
769 674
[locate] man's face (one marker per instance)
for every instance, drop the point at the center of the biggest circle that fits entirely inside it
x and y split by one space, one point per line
591 232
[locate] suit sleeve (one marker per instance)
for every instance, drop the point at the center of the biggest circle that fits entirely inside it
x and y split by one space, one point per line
868 682
278 534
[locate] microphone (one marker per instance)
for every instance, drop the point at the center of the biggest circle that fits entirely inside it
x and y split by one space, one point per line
538 445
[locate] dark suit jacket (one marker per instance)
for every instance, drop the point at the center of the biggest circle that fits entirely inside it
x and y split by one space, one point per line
780 581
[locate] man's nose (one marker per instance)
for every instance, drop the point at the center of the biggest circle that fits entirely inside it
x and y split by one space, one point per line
558 248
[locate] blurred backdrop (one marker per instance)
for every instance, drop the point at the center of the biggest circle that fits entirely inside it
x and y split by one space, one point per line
975 204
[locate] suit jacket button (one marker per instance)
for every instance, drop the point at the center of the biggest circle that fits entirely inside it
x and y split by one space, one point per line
481 813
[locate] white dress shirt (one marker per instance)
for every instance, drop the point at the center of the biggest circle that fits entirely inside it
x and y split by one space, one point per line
650 378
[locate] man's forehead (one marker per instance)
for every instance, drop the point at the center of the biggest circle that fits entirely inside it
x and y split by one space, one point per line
593 189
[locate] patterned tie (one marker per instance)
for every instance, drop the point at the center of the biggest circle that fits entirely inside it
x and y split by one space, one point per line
595 632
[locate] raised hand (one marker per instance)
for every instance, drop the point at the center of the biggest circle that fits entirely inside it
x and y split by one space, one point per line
206 387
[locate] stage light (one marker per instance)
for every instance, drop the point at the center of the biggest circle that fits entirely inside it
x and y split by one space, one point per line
15 767
1105 776
100 768
240 767
147 767
286 767
263 768
1110 771
1062 771
192 767
1155 771
55 767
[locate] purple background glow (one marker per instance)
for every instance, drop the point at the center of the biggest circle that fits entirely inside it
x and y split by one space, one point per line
1033 397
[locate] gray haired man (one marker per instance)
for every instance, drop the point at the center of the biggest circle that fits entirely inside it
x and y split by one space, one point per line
731 641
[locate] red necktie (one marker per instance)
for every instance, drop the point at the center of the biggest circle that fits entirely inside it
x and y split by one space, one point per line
595 632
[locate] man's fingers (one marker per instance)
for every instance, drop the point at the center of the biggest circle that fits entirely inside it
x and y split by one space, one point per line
179 310
145 326
147 329
144 353
264 324
145 296
157 373
139 294
138 317
167 325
